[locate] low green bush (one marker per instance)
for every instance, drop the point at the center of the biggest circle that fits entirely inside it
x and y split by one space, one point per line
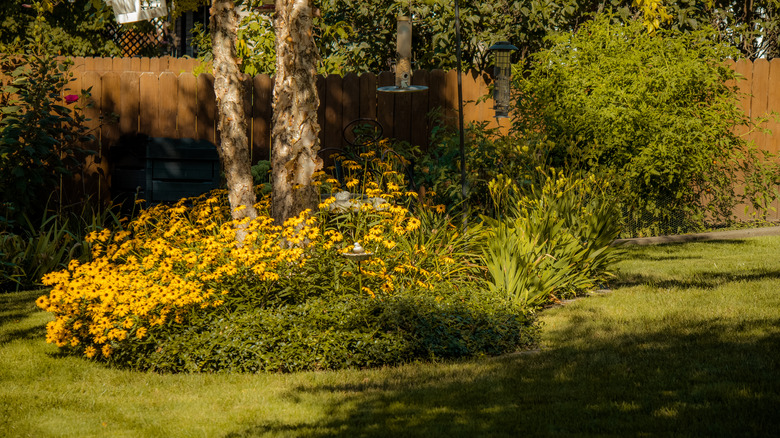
335 332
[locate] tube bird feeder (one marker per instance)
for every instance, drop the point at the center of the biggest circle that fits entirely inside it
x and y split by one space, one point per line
403 66
503 75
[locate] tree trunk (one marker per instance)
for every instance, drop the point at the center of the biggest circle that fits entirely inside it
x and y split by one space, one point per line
295 134
229 85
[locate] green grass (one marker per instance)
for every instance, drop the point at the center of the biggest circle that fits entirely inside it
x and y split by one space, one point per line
687 344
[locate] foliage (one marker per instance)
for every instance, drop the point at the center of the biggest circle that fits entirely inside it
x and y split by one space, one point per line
41 131
78 28
24 260
173 292
255 45
552 243
752 27
655 114
360 36
488 152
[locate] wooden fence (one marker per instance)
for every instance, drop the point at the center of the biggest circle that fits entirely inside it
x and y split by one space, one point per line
161 97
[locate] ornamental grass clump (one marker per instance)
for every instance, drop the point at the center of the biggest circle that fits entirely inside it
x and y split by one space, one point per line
553 242
172 291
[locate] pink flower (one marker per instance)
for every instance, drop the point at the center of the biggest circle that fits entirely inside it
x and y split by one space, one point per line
71 98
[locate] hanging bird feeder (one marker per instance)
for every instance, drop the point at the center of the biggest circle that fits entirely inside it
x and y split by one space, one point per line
503 75
403 67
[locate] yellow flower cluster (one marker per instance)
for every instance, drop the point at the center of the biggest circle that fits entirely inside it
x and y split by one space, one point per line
168 262
377 214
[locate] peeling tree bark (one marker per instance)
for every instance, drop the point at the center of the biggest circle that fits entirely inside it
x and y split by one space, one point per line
232 125
295 133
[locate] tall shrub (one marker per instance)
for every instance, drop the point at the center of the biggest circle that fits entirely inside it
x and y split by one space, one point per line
656 113
41 129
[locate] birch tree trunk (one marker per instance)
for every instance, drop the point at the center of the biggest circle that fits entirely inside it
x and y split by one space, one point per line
295 132
229 85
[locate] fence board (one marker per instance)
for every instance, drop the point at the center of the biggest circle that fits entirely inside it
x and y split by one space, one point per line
773 104
744 68
129 103
167 105
207 108
485 111
187 106
109 105
470 96
402 116
91 79
760 92
368 95
419 110
90 174
102 64
149 90
350 103
74 86
333 115
145 64
262 112
436 90
78 64
385 104
154 64
322 95
135 64
451 97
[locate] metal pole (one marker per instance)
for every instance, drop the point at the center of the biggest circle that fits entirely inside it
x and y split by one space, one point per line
460 101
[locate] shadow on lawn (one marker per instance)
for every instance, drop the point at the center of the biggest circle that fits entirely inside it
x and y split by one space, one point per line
15 307
681 380
700 280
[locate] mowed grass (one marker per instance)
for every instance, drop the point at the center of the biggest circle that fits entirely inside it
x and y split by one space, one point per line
687 344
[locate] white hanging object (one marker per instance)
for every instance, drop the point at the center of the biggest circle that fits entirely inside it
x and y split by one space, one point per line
129 11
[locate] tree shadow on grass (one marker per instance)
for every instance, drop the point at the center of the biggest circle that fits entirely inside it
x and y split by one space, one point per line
18 305
715 378
705 279
14 308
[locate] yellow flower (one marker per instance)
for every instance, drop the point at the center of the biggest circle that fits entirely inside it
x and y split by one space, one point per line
42 302
90 352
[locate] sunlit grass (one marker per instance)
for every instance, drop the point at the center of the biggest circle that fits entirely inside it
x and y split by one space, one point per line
687 344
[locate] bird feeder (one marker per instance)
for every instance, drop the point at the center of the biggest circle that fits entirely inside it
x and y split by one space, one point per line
503 75
403 66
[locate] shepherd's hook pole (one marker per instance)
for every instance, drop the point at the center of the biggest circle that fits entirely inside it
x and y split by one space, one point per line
460 102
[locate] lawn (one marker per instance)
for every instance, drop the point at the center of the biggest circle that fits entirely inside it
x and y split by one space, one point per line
686 344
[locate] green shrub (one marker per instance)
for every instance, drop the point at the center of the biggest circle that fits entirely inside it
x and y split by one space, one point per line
334 332
653 113
41 131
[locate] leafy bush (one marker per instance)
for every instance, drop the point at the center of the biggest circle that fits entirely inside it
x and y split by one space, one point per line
337 331
654 113
41 131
